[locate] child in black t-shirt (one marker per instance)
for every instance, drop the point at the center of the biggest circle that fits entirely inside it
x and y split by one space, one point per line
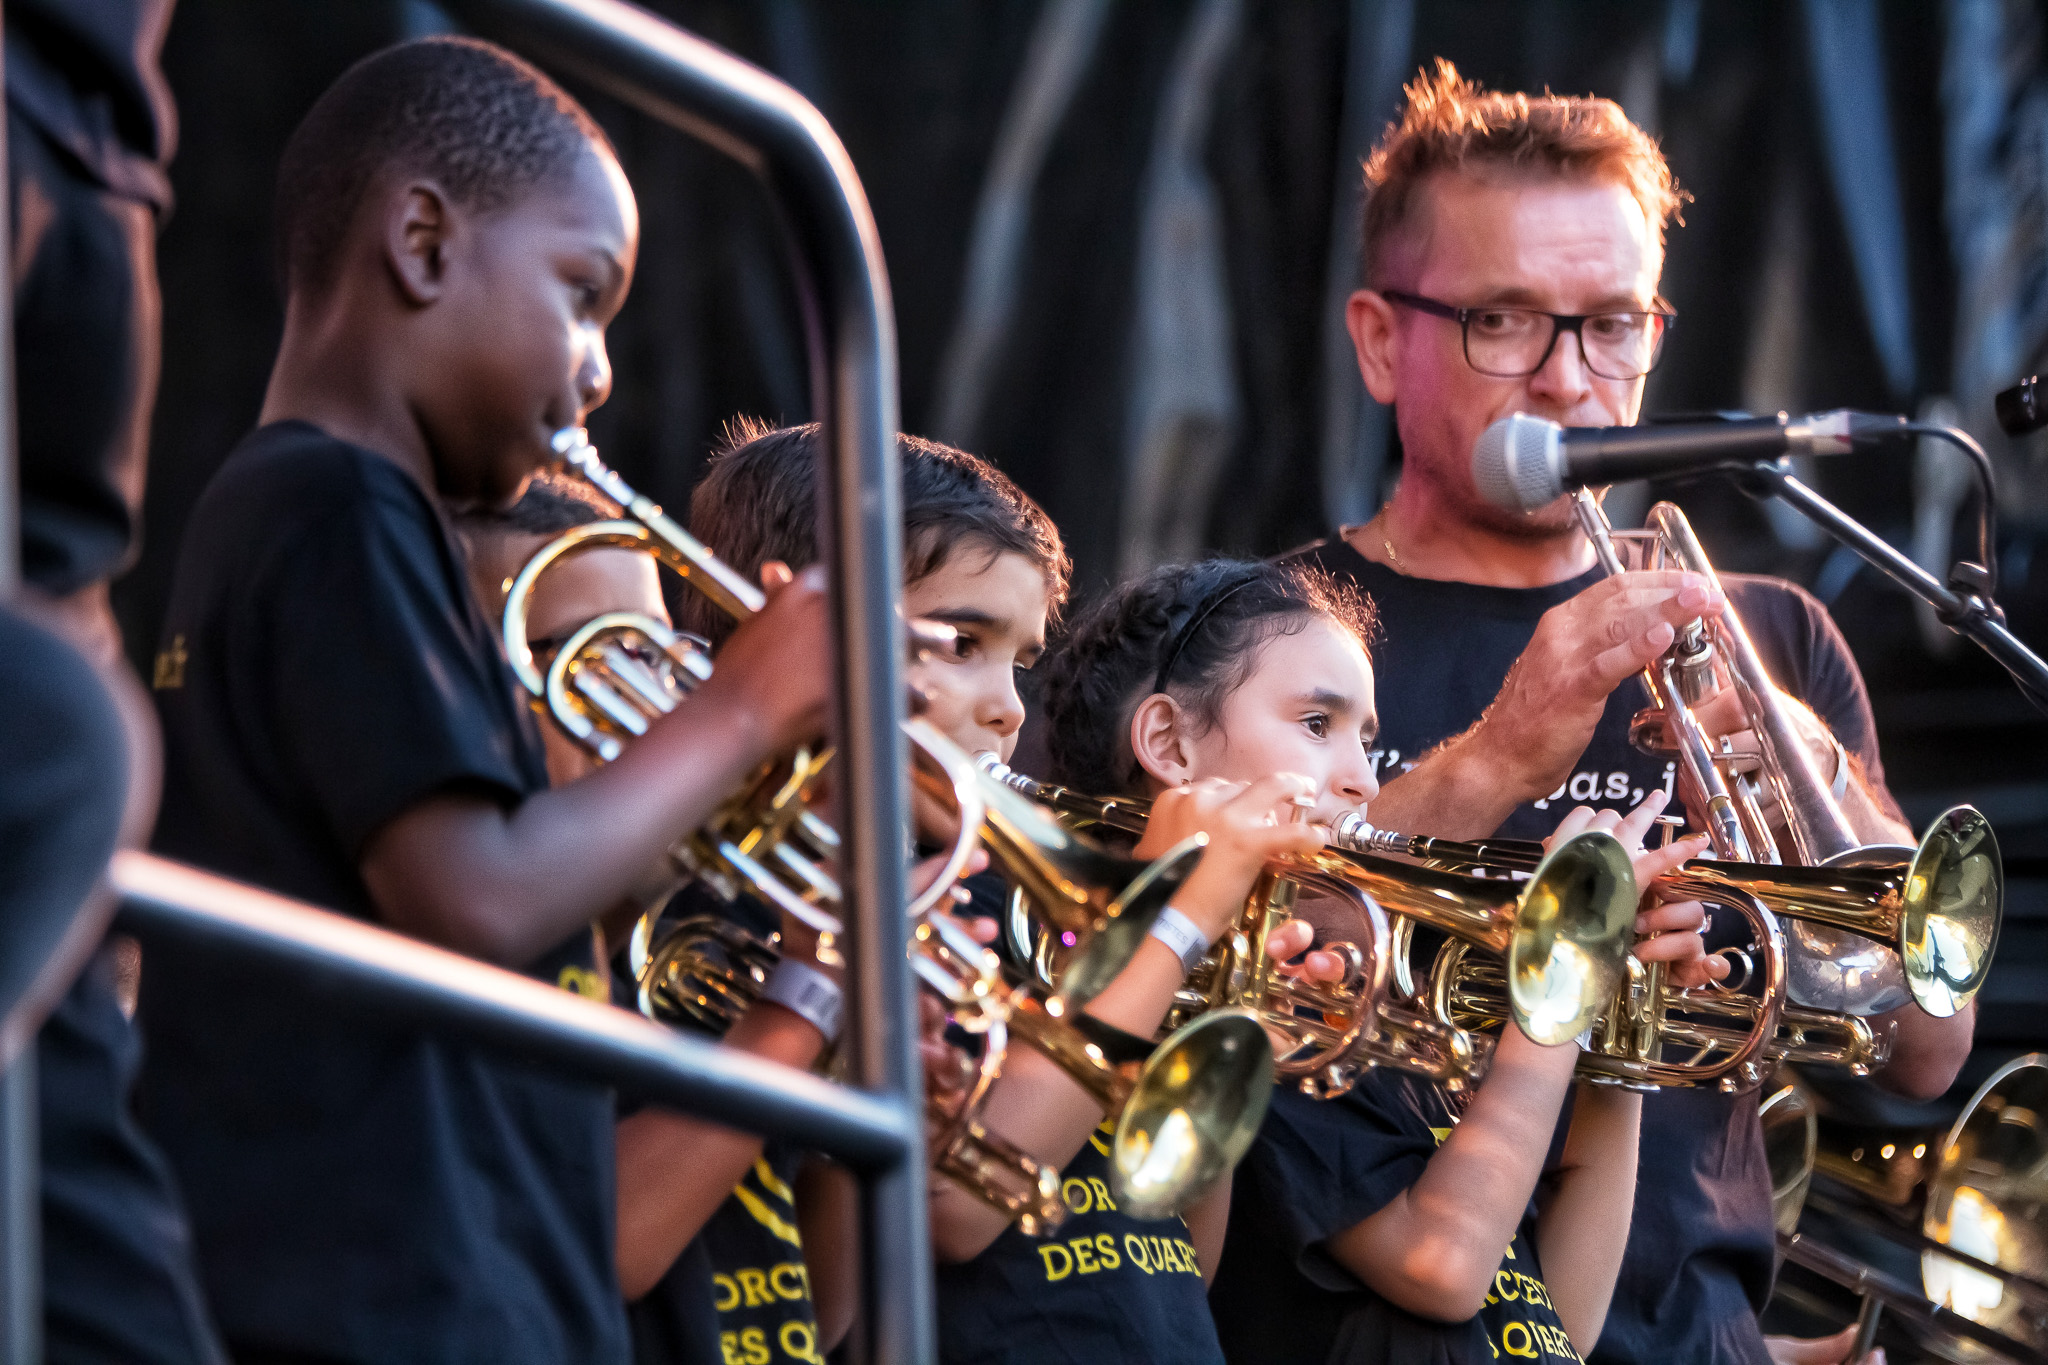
340 725
743 1287
981 557
1371 1227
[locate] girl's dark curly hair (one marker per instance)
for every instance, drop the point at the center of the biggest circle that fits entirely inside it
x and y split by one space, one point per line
1191 630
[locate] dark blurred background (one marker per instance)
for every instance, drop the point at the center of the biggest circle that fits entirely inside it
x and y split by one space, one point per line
1119 237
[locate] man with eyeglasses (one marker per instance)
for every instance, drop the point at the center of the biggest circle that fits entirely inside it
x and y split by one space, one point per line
1512 249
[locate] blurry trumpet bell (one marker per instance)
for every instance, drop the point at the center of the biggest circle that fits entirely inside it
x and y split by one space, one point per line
1973 1199
1186 1110
1988 1196
1067 878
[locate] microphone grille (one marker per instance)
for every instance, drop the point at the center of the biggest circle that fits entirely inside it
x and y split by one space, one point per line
1515 462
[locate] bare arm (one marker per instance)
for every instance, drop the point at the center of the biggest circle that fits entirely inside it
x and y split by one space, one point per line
1927 1053
658 1210
1434 1248
1547 708
1582 1229
1207 1221
506 886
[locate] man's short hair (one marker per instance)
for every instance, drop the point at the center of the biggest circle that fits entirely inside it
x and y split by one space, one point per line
476 120
758 501
1452 124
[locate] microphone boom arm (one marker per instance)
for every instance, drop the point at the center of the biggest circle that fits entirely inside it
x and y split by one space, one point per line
1969 613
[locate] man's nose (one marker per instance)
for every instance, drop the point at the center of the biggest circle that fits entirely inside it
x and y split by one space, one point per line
1564 378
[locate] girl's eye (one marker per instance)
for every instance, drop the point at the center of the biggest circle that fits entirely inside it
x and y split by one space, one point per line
1318 725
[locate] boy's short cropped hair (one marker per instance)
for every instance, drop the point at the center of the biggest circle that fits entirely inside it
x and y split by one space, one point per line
758 501
1450 123
469 116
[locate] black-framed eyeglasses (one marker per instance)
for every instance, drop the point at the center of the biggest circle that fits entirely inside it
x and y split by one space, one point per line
1514 343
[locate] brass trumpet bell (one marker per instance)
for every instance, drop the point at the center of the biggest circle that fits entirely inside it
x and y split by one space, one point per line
1068 879
1954 896
1562 936
1937 907
1194 1112
1571 934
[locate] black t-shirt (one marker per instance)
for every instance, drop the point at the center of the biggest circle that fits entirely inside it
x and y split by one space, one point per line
761 1285
358 1191
1700 1249
1103 1286
1321 1166
741 1290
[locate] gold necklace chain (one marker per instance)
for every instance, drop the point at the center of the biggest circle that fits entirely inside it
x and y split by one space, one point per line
1393 555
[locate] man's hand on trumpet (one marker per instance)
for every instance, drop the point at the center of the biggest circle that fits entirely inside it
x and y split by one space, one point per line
1666 932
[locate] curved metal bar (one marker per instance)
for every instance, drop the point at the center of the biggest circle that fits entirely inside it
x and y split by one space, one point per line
388 974
1900 1299
850 329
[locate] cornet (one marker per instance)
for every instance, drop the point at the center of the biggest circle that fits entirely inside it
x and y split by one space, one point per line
1562 938
1941 919
1653 1034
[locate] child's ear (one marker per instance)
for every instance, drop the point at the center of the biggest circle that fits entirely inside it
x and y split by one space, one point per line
417 224
1159 741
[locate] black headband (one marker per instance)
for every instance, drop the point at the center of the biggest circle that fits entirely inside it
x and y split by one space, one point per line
1186 634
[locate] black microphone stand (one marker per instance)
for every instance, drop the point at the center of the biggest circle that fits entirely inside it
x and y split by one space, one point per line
1964 603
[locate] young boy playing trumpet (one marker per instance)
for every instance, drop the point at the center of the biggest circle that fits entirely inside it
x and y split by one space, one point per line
340 726
704 1279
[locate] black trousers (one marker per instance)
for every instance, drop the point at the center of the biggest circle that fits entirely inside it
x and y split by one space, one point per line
118 1277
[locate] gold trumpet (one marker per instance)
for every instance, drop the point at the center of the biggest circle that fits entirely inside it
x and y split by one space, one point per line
1931 906
1562 937
1836 945
1186 1110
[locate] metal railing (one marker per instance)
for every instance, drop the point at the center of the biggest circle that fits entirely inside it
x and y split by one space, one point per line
835 258
849 327
344 964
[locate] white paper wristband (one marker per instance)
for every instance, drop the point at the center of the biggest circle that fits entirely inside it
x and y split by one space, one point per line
1182 936
804 990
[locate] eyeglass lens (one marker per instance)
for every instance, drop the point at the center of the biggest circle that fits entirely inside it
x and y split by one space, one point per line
1512 342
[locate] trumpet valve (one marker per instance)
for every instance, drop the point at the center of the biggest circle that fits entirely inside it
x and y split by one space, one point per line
1648 734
